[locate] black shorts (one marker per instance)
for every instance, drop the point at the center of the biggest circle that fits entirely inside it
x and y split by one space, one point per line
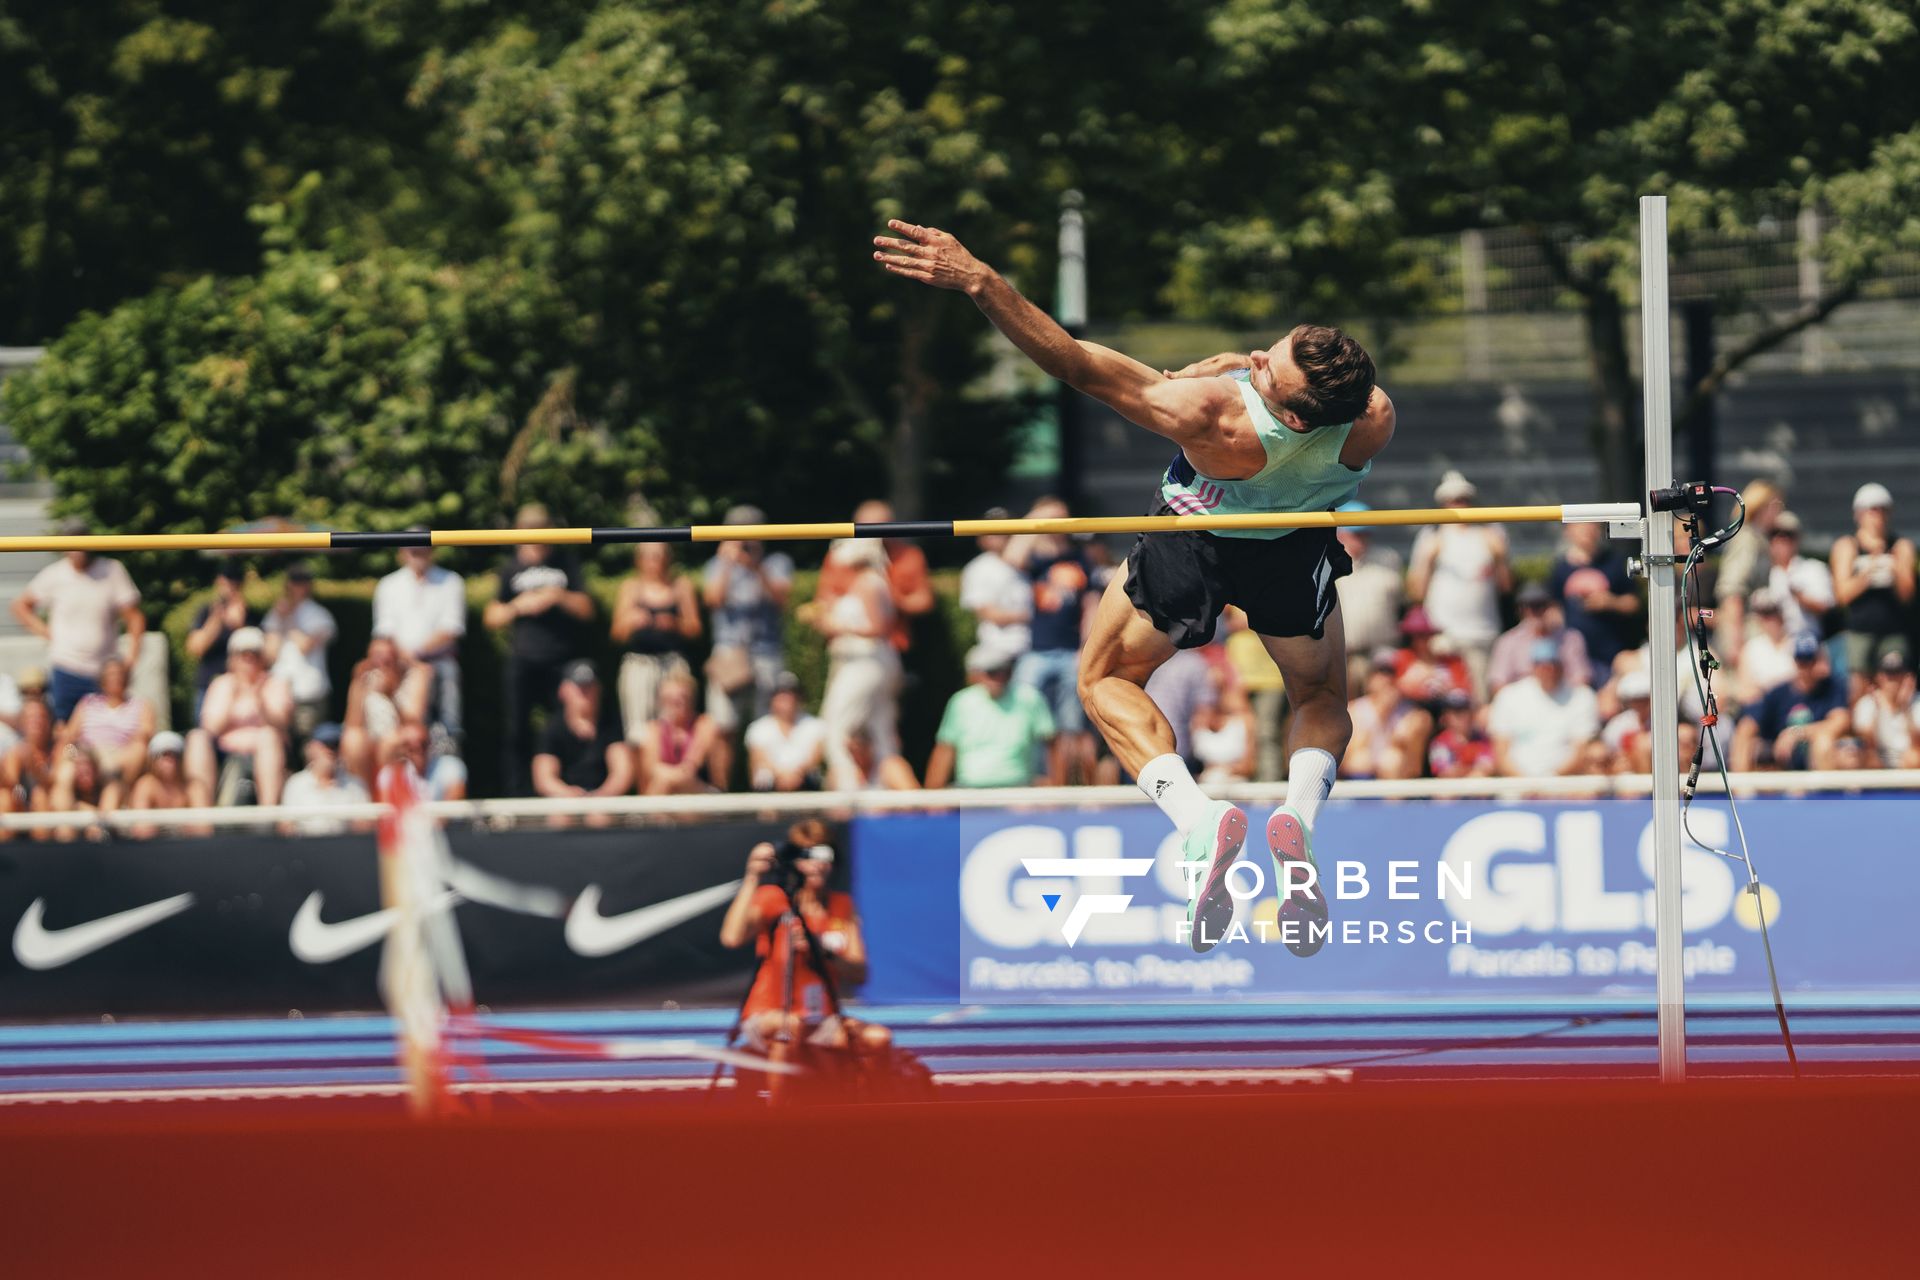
1182 580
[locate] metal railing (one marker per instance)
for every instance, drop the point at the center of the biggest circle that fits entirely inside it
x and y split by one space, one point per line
501 813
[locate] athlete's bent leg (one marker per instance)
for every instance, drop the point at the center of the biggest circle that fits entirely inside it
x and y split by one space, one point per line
1315 672
1122 650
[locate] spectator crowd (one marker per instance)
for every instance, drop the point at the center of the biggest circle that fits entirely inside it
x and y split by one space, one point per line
1456 668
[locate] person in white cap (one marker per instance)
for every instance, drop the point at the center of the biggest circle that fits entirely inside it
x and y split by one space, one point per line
246 713
1873 579
1801 584
1459 572
164 784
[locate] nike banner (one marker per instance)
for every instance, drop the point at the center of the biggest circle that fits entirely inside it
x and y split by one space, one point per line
264 925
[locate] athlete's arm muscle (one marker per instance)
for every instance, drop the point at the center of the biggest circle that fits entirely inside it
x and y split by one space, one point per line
1372 430
1183 410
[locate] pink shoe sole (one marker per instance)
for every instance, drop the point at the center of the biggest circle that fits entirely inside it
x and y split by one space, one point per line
1214 913
1287 842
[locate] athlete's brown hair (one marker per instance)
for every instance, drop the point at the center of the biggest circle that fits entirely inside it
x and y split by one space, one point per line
1339 376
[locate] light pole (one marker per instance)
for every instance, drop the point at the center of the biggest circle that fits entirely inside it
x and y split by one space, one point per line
1070 309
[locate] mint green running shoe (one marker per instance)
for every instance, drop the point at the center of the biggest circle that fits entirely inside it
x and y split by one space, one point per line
1289 840
1215 841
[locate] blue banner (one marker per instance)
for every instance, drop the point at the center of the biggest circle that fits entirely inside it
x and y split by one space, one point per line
1458 898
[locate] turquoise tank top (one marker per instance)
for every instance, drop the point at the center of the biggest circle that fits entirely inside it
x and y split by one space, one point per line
1303 473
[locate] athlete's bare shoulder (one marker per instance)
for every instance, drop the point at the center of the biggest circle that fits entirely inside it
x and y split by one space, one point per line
1229 446
1371 430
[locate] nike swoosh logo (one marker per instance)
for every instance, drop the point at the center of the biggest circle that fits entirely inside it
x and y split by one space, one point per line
591 934
317 942
37 947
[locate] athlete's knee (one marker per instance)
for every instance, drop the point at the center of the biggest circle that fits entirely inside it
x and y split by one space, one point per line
1095 665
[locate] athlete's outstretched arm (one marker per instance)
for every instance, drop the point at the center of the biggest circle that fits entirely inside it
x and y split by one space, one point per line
1178 409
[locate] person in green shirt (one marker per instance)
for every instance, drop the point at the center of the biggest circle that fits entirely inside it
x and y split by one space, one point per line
992 731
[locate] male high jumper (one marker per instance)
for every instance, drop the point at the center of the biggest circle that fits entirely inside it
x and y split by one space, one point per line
1292 428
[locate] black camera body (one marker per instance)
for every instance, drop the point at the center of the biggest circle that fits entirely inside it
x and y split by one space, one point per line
786 865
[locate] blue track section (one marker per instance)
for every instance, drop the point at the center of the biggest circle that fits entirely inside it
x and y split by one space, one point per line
1373 1040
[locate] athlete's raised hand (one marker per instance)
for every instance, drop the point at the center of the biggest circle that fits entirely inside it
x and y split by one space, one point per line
930 256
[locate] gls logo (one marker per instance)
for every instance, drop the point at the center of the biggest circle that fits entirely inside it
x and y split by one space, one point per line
1087 905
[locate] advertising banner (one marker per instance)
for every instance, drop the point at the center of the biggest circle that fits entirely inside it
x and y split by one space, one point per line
1460 898
259 924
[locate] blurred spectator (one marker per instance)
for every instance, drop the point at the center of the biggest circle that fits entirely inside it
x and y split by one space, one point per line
26 771
1513 651
1389 730
1803 586
656 619
746 589
243 726
1795 725
87 599
581 753
1370 598
1424 673
299 629
1101 564
1257 674
1766 659
991 730
1056 568
1685 670
440 777
10 706
79 785
115 728
1849 752
1589 578
1540 724
1744 566
214 624
859 768
1459 573
1182 687
904 566
542 605
422 608
1627 734
387 691
863 673
1222 731
1887 719
1459 749
164 784
1873 579
323 782
786 746
678 747
997 595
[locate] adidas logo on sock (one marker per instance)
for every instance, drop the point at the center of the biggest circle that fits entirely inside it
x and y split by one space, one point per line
1160 788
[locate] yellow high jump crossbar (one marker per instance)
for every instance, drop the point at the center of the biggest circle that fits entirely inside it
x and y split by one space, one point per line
330 540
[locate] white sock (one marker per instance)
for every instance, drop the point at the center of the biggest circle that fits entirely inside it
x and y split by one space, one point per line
1168 784
1309 779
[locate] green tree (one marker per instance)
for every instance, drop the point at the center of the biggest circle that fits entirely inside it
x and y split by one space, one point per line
370 393
702 180
1385 121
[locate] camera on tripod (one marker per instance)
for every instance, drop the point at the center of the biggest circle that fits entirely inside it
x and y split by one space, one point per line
787 871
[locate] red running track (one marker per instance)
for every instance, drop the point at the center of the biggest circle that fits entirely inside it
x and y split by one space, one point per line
1576 1178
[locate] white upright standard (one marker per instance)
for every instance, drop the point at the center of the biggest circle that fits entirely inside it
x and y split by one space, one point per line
1656 376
